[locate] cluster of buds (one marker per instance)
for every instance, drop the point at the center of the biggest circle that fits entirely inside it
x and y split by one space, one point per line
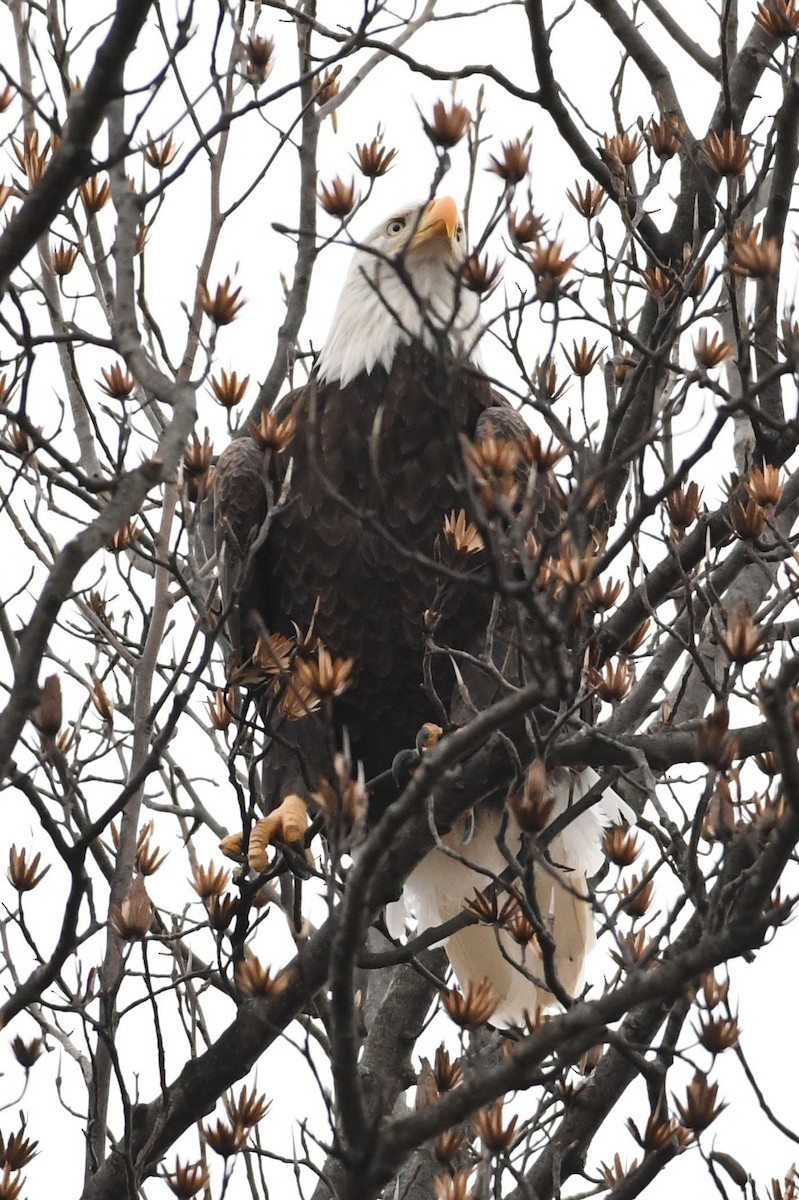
18 1150
31 159
27 1055
778 18
305 672
273 653
102 702
719 822
764 490
209 882
94 192
664 137
117 382
765 486
785 1189
753 257
572 569
528 228
456 1186
621 846
613 683
660 1133
728 153
47 715
583 358
433 1082
636 894
493 463
296 700
229 390
634 951
24 876
550 266
327 90
225 1140
148 857
602 594
545 456
712 351
324 675
699 1108
187 1179
344 799
713 743
748 519
222 709
718 1034
198 475
741 640
254 979
682 506
621 150
373 159
461 536
63 258
713 991
132 919
337 198
448 124
693 277
545 383
474 1007
616 1172
19 442
123 538
272 432
488 1124
518 926
448 1145
248 1109
160 152
588 201
480 274
533 808
636 640
514 163
260 59
224 305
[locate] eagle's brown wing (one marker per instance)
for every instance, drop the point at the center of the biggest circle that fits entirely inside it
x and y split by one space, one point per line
247 484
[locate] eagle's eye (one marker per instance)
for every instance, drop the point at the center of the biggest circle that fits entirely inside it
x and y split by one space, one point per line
396 226
459 234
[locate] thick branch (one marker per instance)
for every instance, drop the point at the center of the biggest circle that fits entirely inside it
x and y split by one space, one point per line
72 160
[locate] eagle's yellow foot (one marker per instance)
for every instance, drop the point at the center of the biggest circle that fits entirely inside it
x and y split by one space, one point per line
232 846
287 824
428 737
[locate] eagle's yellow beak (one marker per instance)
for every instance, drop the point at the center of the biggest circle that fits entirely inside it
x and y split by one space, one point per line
439 220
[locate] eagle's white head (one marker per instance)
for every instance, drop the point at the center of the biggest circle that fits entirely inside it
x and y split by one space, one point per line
403 284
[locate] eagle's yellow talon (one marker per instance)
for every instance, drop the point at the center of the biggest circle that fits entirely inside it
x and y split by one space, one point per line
231 846
287 823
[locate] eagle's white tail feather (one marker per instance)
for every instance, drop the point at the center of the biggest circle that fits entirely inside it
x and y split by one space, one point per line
437 888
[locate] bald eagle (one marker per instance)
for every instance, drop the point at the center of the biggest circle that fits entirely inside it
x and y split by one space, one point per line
330 527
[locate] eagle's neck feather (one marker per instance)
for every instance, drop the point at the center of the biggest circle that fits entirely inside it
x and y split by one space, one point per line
376 314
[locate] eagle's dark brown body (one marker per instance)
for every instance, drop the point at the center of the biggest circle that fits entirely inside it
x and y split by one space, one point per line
375 467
